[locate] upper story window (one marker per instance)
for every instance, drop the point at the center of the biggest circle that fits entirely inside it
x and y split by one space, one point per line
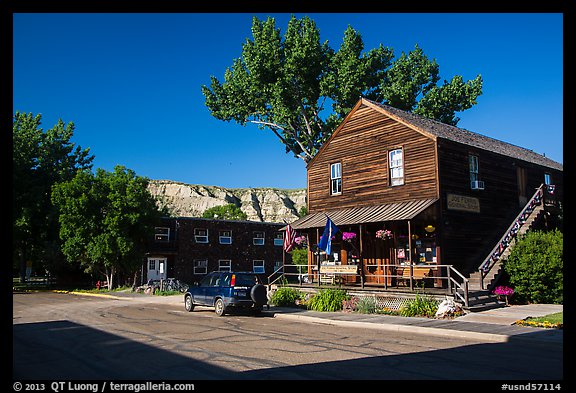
475 182
473 160
279 239
161 234
396 163
258 238
201 235
336 179
225 237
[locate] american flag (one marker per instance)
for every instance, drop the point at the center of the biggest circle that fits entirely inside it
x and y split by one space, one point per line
289 237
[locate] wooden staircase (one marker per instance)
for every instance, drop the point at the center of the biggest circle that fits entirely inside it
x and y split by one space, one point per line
482 282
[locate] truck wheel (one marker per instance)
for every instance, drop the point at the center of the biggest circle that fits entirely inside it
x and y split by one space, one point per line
219 307
188 303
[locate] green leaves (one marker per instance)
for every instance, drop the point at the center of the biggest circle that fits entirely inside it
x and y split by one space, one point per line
282 83
105 219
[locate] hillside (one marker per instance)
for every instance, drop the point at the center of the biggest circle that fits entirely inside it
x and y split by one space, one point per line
260 204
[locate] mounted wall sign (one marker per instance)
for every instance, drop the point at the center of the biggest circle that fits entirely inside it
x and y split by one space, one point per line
462 203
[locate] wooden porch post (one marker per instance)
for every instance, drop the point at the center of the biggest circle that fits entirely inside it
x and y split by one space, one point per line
410 255
318 256
361 256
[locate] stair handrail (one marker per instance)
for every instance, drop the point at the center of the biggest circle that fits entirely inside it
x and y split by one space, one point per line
511 232
464 286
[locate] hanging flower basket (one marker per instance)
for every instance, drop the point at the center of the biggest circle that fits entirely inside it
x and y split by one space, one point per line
384 234
348 236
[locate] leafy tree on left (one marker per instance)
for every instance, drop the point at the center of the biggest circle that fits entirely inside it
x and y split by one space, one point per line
106 220
40 160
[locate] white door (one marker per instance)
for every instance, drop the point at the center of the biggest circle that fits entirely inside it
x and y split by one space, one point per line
157 268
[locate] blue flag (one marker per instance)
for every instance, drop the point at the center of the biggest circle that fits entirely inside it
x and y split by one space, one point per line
325 242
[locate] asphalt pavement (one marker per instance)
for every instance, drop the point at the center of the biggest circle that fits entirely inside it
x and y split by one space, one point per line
492 325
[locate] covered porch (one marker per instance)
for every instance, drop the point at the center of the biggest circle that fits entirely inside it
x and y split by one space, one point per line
395 245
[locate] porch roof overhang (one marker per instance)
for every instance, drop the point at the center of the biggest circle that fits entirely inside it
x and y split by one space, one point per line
362 215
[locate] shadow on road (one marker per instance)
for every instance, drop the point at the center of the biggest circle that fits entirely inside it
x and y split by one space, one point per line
62 350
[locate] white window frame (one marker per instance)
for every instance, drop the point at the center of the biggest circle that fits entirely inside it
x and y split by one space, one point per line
474 168
258 266
161 234
200 266
547 179
151 264
336 178
258 240
198 237
225 237
396 166
279 239
224 265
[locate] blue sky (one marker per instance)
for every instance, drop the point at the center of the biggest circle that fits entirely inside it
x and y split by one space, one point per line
131 84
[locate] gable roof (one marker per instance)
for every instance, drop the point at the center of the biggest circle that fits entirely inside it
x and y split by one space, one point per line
436 129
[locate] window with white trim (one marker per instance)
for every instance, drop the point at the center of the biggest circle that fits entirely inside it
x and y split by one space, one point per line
225 237
161 234
201 235
336 179
547 179
224 265
473 164
151 264
258 266
396 166
258 238
200 266
279 239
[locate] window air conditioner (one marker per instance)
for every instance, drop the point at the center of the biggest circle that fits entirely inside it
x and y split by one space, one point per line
477 185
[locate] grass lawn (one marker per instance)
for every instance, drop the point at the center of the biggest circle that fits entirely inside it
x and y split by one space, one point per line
555 320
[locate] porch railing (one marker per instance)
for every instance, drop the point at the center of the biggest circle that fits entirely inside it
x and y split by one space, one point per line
442 277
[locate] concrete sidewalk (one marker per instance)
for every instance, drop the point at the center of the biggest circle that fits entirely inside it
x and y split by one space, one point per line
494 325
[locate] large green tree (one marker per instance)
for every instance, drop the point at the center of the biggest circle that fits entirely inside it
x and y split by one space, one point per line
225 212
300 88
106 220
40 159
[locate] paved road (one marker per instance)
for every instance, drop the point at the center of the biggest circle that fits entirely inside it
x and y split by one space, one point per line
62 336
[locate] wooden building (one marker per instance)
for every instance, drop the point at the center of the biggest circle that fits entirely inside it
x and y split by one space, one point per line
187 248
445 194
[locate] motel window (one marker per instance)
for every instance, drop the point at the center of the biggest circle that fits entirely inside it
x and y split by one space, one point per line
336 179
547 179
201 235
473 163
161 234
396 163
258 238
258 266
201 266
151 264
279 239
225 237
224 265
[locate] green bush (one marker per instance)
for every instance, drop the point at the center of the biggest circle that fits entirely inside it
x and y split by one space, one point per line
421 306
535 267
285 297
327 300
366 305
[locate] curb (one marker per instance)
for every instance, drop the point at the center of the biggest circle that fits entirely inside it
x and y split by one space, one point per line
92 294
401 328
